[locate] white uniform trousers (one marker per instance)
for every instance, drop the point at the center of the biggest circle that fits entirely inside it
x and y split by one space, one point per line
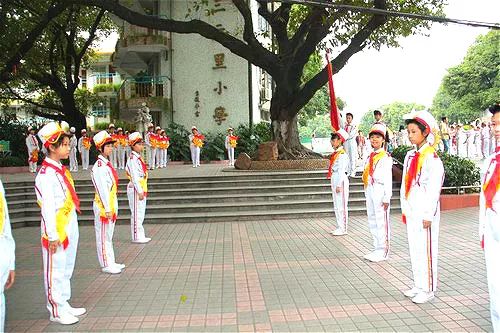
491 251
485 147
113 158
104 240
230 154
158 158
423 245
165 157
4 275
120 155
137 213
378 219
351 148
73 162
32 165
57 271
340 204
85 159
195 155
152 158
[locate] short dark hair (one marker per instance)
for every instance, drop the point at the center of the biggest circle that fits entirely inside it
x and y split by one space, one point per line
377 111
104 145
413 121
494 108
376 133
335 136
444 118
349 114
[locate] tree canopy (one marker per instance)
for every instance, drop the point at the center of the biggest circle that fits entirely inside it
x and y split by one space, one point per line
393 115
473 85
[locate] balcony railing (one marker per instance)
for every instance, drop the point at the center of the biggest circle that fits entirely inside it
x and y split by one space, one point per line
146 86
104 78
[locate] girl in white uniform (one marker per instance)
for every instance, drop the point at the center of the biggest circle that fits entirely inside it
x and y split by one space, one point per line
230 143
73 143
59 203
7 259
423 176
137 189
489 220
337 173
105 206
377 179
195 144
33 149
84 144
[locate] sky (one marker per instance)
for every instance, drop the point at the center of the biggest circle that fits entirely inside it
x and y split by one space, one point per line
411 73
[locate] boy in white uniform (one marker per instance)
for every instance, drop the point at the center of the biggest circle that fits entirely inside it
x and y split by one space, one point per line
84 144
73 143
489 220
105 206
7 259
423 176
33 149
59 203
195 144
150 152
377 178
120 148
230 143
137 189
114 156
337 173
350 144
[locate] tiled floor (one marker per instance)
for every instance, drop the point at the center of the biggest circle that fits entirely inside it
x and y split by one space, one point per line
287 275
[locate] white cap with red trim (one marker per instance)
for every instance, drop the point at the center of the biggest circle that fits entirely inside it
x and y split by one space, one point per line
101 138
342 134
51 132
133 138
425 118
378 128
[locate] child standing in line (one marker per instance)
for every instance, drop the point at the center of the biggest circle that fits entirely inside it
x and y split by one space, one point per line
149 141
231 143
120 148
137 188
195 144
377 179
158 143
84 144
7 259
105 206
338 175
33 149
73 143
489 217
423 175
165 145
58 201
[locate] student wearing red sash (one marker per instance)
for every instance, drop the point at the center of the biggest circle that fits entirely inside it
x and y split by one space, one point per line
489 219
377 179
59 203
137 188
7 259
423 176
338 174
105 181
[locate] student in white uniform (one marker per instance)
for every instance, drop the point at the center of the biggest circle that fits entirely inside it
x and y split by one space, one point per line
377 179
137 188
59 203
423 176
338 175
165 143
114 155
73 143
485 140
120 148
150 153
105 179
230 143
489 220
84 144
33 149
350 145
195 144
7 259
158 147
493 139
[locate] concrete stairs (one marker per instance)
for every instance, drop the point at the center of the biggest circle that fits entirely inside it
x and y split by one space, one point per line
272 195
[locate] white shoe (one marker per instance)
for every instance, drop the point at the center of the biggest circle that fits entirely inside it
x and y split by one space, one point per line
65 319
111 270
194 166
369 256
143 240
378 258
77 311
423 297
338 232
412 292
119 266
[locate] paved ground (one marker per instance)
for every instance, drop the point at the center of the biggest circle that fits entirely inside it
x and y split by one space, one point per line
285 275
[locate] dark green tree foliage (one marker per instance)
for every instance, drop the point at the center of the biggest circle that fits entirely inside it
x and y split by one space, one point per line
393 115
473 85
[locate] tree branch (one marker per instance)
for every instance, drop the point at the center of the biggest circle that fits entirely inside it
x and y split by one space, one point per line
29 100
278 20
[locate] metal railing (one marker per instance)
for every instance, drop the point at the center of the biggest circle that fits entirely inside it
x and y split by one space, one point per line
145 86
104 78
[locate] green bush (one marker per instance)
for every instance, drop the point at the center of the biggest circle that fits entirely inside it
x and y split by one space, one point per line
400 152
11 161
15 132
251 137
179 143
214 149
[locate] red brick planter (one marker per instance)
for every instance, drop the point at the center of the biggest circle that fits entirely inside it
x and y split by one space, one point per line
457 201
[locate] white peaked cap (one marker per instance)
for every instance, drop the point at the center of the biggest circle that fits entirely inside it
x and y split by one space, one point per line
378 128
51 132
101 138
133 138
425 118
342 134
72 130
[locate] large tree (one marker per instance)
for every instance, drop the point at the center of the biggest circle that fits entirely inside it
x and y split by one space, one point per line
47 73
297 33
473 85
393 115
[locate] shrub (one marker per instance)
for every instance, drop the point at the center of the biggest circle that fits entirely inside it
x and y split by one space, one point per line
11 161
399 153
251 137
214 149
179 142
14 131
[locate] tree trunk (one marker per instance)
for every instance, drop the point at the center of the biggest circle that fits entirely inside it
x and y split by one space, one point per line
74 117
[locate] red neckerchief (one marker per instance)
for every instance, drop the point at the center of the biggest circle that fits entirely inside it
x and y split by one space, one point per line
490 189
70 186
143 164
333 158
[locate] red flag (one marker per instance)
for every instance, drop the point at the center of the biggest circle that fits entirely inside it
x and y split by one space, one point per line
334 112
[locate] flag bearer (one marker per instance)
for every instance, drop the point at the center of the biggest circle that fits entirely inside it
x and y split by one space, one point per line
7 259
59 203
423 176
377 179
84 144
231 142
33 149
137 188
489 219
337 173
73 143
105 179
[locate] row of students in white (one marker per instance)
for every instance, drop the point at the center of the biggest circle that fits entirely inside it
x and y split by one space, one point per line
157 143
196 142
